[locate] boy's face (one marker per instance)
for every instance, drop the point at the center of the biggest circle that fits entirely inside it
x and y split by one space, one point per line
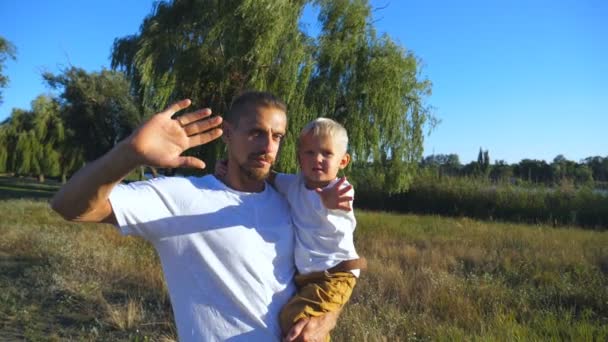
320 159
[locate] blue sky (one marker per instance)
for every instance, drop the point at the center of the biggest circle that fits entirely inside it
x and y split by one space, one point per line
522 79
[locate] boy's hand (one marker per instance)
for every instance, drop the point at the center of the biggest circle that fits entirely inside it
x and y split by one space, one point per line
221 168
335 197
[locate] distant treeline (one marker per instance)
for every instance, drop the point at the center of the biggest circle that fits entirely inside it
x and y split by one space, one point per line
584 172
562 192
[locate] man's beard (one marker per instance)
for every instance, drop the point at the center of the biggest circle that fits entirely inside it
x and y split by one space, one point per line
256 173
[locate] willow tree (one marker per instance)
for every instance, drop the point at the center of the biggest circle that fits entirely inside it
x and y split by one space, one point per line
209 51
18 122
372 86
32 139
50 135
7 50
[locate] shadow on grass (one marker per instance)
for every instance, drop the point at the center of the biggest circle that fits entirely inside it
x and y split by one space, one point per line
26 188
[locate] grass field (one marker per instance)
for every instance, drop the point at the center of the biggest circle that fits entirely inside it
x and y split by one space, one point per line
429 278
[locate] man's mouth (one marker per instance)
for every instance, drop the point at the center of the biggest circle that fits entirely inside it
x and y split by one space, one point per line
261 160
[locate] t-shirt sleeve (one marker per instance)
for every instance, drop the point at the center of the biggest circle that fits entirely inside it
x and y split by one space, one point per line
283 181
142 207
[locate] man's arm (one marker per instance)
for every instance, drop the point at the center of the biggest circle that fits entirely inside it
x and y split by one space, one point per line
158 142
85 196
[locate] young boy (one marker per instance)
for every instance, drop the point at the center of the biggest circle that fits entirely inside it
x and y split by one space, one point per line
321 208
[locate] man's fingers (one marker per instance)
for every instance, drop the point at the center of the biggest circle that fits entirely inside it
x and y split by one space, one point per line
203 138
189 118
176 107
200 126
296 330
191 162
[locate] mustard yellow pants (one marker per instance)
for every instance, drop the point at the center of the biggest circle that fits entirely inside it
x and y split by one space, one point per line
318 293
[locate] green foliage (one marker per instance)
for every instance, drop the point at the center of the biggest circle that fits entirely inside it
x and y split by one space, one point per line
97 111
7 50
480 198
193 49
33 139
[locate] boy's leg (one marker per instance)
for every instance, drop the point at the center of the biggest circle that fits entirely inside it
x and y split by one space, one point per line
318 293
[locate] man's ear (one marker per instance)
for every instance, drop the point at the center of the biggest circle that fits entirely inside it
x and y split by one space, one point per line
344 161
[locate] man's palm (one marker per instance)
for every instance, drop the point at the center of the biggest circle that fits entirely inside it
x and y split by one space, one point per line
161 140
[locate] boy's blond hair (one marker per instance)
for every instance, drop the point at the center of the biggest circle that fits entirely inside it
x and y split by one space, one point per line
324 127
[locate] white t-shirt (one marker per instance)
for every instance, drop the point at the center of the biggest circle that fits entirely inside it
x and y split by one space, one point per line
324 237
227 255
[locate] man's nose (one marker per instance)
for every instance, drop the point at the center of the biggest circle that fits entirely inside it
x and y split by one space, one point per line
267 144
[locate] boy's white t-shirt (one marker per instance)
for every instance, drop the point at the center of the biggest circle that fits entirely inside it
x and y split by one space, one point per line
324 237
227 256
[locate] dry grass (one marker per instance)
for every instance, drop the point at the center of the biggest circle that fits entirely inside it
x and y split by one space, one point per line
432 278
429 278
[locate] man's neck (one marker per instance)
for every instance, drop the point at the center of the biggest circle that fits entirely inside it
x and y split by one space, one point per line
240 182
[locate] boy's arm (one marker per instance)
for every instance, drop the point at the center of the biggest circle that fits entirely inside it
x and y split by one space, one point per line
158 142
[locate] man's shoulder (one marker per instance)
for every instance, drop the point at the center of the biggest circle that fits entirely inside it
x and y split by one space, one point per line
288 180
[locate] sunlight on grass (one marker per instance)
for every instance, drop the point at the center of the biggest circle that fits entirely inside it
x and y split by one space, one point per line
429 278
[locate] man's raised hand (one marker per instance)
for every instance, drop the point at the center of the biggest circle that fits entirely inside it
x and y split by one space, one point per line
161 140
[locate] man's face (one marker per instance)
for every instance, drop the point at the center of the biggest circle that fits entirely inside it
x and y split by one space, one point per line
254 142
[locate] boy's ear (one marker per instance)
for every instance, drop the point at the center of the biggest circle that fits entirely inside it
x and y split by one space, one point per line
344 161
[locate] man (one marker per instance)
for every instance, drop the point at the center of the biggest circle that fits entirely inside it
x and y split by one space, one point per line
226 246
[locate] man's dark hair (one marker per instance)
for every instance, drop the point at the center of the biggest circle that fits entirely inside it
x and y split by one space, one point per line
250 99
